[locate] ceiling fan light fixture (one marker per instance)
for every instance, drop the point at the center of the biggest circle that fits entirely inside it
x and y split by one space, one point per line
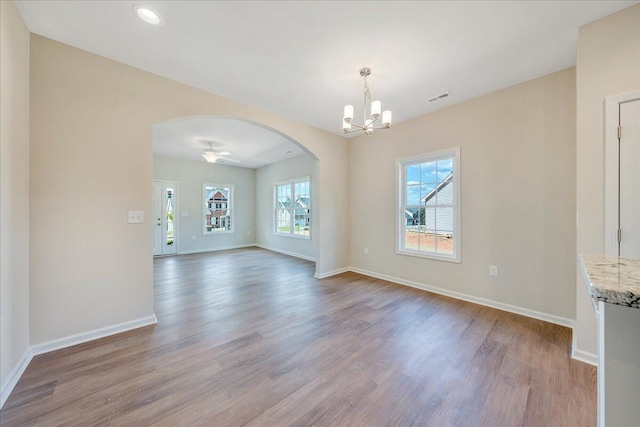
210 157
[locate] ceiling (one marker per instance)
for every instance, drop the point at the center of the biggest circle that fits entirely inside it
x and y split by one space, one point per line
301 59
252 145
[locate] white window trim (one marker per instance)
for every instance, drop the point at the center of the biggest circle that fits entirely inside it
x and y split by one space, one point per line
429 157
203 218
275 202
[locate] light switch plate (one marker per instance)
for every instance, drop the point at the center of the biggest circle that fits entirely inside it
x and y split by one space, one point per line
136 217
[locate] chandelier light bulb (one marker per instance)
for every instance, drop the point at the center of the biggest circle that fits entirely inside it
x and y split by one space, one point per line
368 126
348 113
376 107
386 118
346 125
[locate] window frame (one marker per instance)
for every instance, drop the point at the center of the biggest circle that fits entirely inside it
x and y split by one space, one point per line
205 208
291 183
401 167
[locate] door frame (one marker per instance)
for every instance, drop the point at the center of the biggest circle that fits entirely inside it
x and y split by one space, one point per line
176 220
611 153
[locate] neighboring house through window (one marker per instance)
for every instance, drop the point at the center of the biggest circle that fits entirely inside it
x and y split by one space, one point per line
218 208
429 205
293 208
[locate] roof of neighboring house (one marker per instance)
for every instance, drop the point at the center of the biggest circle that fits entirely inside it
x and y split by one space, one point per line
446 181
301 202
216 193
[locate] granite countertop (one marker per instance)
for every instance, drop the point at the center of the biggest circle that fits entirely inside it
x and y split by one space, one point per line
612 279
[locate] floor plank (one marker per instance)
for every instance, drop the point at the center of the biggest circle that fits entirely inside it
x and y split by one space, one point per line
249 337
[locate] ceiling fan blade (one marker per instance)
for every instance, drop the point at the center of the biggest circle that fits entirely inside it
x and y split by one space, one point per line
223 153
226 159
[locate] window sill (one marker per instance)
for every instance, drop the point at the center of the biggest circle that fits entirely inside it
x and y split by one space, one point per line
295 236
216 233
428 255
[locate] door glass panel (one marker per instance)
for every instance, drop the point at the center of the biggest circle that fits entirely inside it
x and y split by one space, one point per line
169 213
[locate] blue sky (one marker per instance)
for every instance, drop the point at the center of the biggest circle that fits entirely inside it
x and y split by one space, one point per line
422 178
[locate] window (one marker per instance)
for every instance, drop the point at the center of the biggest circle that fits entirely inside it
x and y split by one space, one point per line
293 208
429 206
218 208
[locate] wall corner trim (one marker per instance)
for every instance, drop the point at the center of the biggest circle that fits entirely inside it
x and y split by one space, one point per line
332 272
584 356
282 251
14 375
95 334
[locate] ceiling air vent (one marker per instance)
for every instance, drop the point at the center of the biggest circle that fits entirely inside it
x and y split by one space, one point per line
438 97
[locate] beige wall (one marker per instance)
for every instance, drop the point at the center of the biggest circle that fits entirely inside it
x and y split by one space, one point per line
608 64
295 167
517 190
14 190
91 162
190 175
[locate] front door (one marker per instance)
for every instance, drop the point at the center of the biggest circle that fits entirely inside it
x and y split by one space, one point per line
165 210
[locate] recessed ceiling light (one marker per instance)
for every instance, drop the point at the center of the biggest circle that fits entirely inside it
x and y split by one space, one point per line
147 15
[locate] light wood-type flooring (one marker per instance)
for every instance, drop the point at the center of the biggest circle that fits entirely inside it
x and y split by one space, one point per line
249 337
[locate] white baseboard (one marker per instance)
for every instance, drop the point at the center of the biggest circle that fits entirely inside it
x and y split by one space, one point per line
222 248
14 375
95 334
562 321
584 356
332 273
282 251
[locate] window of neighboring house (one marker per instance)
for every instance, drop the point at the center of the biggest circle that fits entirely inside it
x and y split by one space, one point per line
217 216
429 205
292 201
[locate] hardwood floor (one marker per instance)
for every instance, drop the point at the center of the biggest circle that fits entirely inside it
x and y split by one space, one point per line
249 337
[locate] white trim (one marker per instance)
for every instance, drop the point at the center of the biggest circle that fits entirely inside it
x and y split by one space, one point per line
584 356
230 207
562 321
282 251
69 341
291 182
581 355
454 154
94 334
332 272
221 248
14 375
611 120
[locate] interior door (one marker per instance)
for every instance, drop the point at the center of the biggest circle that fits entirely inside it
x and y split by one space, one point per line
165 215
629 180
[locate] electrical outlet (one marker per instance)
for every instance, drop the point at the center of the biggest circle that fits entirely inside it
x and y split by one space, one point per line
493 270
366 251
136 217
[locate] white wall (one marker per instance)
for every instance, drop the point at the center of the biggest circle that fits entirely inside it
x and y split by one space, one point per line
190 175
295 167
608 64
517 189
14 193
91 162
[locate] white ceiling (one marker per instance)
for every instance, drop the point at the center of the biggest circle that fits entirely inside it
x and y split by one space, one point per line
253 145
301 59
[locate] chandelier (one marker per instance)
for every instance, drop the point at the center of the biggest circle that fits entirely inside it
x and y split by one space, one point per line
375 107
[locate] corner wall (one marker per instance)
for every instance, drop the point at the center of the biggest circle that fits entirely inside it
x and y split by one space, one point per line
190 175
608 64
91 143
517 197
14 193
295 167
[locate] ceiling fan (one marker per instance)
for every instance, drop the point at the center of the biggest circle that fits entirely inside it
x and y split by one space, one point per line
212 156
